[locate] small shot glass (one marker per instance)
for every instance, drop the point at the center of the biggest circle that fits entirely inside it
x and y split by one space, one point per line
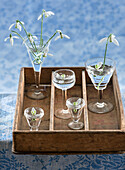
75 106
33 116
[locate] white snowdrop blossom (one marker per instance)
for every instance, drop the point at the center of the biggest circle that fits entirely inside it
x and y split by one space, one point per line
38 49
98 66
46 13
44 53
17 25
61 35
11 39
31 37
111 38
33 111
46 50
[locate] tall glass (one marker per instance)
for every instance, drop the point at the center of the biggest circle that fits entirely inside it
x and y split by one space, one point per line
100 77
63 79
36 56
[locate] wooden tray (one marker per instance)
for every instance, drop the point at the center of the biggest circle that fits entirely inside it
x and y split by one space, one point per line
102 133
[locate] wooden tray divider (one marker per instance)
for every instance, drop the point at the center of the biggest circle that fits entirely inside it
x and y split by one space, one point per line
52 104
118 101
19 102
86 119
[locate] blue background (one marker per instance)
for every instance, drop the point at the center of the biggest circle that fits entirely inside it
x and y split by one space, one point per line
86 22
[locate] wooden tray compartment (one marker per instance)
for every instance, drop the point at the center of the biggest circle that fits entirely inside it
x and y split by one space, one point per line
103 133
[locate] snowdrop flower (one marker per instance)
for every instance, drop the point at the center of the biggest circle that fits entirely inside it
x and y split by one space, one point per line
31 38
45 52
17 25
33 111
11 39
47 14
111 38
61 35
98 66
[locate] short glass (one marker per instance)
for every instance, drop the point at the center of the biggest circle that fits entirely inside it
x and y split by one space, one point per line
33 120
75 106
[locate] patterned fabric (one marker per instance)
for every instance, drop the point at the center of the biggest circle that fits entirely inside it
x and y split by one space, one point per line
10 161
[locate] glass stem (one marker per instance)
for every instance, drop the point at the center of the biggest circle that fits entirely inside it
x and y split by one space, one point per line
64 98
100 95
37 78
100 103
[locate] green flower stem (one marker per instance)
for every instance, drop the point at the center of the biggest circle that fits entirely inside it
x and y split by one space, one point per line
41 38
104 61
26 33
106 50
105 53
18 34
50 39
100 82
22 39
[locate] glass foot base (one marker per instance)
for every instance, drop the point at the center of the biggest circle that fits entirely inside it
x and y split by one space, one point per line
78 125
63 114
103 107
36 94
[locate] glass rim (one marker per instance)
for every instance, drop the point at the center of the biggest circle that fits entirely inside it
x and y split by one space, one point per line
64 70
41 114
77 106
101 58
37 40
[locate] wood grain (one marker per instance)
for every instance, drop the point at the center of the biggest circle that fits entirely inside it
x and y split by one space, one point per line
86 119
52 105
102 133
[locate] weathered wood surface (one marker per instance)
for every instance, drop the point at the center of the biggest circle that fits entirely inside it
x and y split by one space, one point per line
52 105
87 141
101 133
118 100
20 101
86 118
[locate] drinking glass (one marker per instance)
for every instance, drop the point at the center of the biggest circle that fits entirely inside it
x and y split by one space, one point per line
36 91
63 79
75 105
100 77
33 120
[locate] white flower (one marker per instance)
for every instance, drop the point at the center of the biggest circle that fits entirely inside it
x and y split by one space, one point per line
111 39
46 50
17 25
31 38
33 111
47 14
61 35
11 39
98 66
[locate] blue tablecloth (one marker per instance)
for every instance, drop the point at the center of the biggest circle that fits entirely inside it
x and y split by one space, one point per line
10 161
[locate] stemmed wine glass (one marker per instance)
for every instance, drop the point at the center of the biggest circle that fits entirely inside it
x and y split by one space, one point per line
63 79
37 91
100 77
